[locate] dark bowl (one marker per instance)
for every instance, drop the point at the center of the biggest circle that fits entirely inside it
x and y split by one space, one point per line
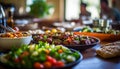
70 65
83 47
80 47
67 66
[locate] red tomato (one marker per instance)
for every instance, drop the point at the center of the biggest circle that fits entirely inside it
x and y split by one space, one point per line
47 64
51 59
38 65
48 58
59 64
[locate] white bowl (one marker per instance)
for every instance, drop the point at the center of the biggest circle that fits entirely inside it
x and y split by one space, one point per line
8 43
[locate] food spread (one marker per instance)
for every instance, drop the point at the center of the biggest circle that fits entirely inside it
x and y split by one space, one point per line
42 55
67 38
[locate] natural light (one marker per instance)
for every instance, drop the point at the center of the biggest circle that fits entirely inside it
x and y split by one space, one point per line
28 2
72 8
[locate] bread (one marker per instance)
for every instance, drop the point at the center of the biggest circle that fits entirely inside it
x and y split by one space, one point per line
109 51
112 44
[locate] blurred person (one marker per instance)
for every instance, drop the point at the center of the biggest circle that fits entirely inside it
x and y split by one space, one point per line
84 14
107 12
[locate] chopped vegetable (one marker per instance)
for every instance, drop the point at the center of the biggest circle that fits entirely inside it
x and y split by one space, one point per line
39 56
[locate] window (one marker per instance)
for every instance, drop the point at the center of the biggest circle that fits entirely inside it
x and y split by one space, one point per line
72 8
28 2
93 7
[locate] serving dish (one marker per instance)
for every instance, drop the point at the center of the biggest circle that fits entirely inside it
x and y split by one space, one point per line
14 39
104 34
68 39
26 57
101 36
84 46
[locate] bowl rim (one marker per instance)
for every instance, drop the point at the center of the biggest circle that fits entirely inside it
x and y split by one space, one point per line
16 37
73 63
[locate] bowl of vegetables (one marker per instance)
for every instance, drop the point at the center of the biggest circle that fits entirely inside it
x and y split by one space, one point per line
41 56
68 39
14 39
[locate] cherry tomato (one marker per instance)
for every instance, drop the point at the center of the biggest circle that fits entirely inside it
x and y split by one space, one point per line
59 64
60 51
47 64
51 59
38 65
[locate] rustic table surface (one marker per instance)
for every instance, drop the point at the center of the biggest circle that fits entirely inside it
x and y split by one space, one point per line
92 61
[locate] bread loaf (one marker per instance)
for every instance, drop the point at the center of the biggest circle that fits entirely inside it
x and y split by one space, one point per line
109 51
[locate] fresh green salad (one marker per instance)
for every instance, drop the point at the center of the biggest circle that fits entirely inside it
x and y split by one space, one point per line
39 56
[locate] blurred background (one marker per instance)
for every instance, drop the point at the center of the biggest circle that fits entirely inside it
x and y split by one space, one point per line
47 12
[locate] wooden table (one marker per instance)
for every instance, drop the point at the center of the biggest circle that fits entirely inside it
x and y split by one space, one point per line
92 61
